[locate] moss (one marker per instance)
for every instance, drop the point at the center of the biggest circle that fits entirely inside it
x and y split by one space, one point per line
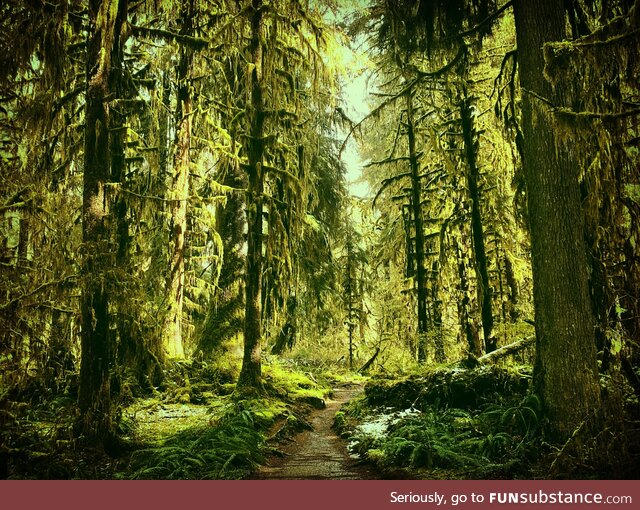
264 410
376 456
289 384
341 377
448 387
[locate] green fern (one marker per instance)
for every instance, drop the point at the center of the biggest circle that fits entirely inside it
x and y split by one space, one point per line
226 451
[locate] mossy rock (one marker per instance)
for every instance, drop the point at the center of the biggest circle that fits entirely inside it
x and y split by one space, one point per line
227 389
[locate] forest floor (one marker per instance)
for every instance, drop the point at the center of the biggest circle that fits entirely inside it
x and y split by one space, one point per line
441 423
319 453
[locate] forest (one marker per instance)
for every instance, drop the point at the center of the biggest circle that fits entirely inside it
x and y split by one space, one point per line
318 239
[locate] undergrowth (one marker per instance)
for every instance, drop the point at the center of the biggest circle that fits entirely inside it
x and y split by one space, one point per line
488 436
223 436
193 426
226 451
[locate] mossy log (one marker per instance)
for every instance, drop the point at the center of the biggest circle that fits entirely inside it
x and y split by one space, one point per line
506 350
451 386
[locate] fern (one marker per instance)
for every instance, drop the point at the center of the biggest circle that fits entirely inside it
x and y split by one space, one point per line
226 451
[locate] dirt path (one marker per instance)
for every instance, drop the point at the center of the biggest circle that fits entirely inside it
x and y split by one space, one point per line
318 454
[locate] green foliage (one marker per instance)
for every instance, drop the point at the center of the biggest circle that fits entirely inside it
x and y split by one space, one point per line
227 451
287 381
497 442
449 420
520 418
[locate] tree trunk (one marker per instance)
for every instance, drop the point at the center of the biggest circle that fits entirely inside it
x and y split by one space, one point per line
172 334
94 397
466 328
510 277
565 342
416 204
225 316
436 316
351 291
479 250
251 372
60 358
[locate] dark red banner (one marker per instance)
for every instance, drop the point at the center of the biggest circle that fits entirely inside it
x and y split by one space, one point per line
317 494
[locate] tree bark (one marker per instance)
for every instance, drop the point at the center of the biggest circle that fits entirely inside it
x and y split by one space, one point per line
467 329
565 342
94 398
416 204
512 284
477 232
251 372
172 334
436 316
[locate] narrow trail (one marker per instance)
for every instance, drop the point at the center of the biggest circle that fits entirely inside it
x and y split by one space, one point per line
318 454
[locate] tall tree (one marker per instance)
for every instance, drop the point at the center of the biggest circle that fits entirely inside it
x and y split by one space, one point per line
565 339
416 209
179 186
94 396
251 373
477 230
282 103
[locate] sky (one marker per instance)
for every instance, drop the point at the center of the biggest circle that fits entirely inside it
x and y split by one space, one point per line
355 69
355 106
357 88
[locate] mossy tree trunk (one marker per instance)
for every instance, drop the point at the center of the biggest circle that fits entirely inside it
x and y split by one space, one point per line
225 313
467 331
512 284
418 224
251 372
477 231
94 394
350 289
179 189
565 373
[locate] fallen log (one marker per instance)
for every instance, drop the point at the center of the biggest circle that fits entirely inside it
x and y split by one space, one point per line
506 350
371 360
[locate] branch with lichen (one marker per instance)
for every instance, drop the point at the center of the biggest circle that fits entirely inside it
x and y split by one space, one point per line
196 43
584 115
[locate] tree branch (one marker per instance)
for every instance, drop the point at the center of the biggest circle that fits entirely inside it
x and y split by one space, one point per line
390 160
40 287
585 115
484 22
196 43
421 75
385 184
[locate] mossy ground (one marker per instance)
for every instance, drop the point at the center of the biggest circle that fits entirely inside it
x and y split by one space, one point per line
446 422
193 427
453 422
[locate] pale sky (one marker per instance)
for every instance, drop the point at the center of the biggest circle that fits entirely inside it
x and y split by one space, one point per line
355 106
356 90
